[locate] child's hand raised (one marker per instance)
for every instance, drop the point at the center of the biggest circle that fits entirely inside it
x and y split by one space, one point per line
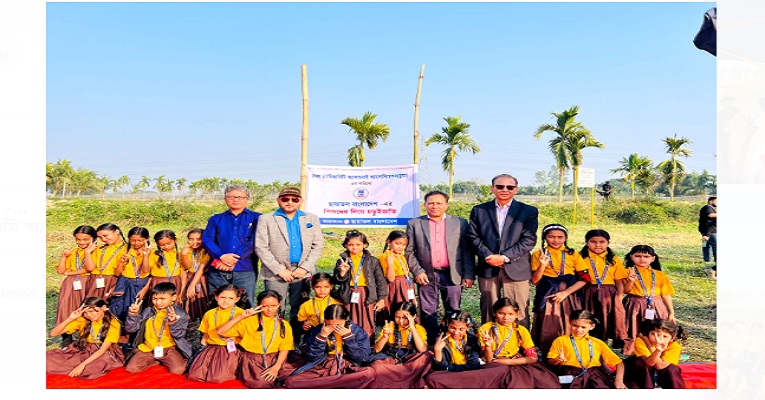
488 341
441 342
387 329
410 319
186 248
66 253
251 311
77 313
344 266
125 259
135 307
342 330
561 357
91 247
544 259
327 330
632 275
146 250
171 315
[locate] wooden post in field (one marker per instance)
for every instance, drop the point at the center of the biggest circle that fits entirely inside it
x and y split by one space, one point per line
417 114
304 139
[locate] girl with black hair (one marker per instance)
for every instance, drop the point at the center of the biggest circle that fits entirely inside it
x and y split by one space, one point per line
194 260
311 311
337 355
603 294
96 352
218 360
266 341
655 362
649 292
133 283
396 270
580 359
164 263
72 266
554 274
103 262
405 342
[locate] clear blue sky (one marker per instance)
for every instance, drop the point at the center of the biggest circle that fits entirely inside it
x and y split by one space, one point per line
198 90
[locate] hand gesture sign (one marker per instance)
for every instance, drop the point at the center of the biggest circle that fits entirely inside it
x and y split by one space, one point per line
544 259
251 311
146 250
171 315
561 357
441 342
135 308
186 248
91 247
66 253
487 339
632 275
77 313
344 266
125 259
388 329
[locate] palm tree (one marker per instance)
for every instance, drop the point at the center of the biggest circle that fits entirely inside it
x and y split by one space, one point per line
123 181
84 180
144 183
455 137
367 133
673 168
632 168
60 174
180 184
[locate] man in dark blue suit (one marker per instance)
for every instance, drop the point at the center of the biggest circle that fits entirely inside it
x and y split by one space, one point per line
503 233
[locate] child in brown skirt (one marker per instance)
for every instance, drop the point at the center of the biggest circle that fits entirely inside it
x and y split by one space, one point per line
337 355
194 260
580 358
133 283
266 340
72 265
104 262
656 357
396 271
406 344
218 361
96 353
164 263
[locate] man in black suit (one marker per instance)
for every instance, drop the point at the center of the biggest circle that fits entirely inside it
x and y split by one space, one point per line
503 233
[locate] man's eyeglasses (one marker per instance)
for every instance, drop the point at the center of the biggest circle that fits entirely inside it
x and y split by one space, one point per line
290 199
508 187
236 197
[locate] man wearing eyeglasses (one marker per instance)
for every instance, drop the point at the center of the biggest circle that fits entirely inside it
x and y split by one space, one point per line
503 233
288 242
230 239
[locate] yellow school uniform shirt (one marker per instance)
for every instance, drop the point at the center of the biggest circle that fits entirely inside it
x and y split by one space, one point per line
458 357
335 343
556 256
313 310
671 354
134 264
107 258
600 350
78 325
405 336
214 319
154 333
615 270
75 256
663 286
355 268
513 345
197 259
247 330
173 264
400 266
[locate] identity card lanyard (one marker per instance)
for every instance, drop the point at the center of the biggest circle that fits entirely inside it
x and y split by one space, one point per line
158 349
579 357
77 264
408 340
316 310
93 335
600 279
358 272
135 268
504 342
167 269
101 265
460 348
230 345
403 267
648 297
562 262
195 257
263 338
338 352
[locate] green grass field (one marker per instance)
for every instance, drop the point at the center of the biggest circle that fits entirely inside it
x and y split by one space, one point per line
675 239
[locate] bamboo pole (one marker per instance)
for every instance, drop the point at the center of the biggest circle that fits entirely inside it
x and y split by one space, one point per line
304 138
417 114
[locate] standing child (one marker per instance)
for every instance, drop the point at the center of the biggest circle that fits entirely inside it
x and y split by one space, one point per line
361 271
161 337
557 285
311 311
266 340
396 271
72 265
103 262
164 263
337 355
96 353
656 359
505 342
603 294
578 356
649 292
133 284
406 343
218 361
194 260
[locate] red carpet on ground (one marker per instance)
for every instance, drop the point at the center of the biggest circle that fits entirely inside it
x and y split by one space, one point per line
697 376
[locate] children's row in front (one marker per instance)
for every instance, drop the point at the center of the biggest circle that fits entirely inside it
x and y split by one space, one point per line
256 346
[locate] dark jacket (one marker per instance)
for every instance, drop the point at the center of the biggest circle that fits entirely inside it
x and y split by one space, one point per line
356 349
376 283
137 323
473 350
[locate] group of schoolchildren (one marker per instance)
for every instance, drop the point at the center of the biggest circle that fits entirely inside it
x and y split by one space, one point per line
582 299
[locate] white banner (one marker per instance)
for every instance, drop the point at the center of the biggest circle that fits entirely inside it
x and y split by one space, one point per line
586 177
371 197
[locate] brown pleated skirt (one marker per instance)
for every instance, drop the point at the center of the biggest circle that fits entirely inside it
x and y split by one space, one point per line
593 378
397 292
635 307
252 365
407 375
553 322
362 314
489 376
215 364
325 376
200 304
63 361
639 375
109 282
68 298
608 309
532 376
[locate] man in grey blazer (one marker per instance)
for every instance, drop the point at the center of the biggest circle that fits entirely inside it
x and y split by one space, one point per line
288 242
440 259
503 233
